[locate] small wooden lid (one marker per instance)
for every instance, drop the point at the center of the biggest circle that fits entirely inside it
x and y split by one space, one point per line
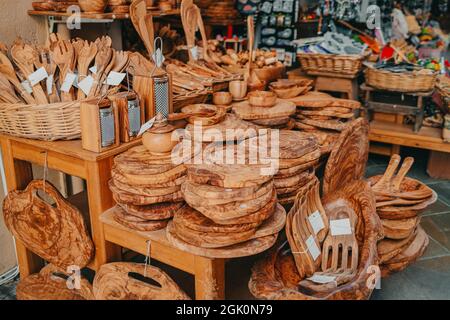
161 125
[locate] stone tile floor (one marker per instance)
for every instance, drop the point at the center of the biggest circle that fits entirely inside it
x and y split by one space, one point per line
428 278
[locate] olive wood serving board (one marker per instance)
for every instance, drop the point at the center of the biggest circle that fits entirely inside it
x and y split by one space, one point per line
117 176
321 100
246 111
388 248
157 211
399 229
131 222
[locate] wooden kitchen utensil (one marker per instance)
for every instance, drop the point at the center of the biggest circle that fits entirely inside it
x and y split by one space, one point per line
63 54
56 233
85 58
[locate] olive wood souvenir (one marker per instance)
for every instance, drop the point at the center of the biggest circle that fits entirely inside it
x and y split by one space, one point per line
262 99
56 233
383 183
336 125
236 209
277 121
399 229
294 181
142 155
141 225
407 211
117 176
338 279
245 249
270 281
51 284
289 83
401 174
388 248
246 111
326 113
198 114
256 217
348 158
136 167
157 211
289 172
305 127
227 195
156 179
408 256
190 192
194 220
410 189
339 110
118 281
227 176
147 192
305 162
138 200
322 100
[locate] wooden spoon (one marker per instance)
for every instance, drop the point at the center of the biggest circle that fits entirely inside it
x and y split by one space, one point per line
397 181
63 56
43 61
384 184
102 61
85 57
138 14
12 78
23 56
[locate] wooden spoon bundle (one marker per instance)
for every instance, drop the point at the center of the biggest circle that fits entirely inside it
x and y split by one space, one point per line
147 189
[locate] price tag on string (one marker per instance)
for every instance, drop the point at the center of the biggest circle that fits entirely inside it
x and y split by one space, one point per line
68 82
316 222
146 126
93 69
194 52
37 76
322 279
86 85
115 78
313 248
340 227
49 84
27 86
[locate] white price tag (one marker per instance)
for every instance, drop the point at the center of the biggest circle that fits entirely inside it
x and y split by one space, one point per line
93 69
68 82
340 227
313 248
26 85
194 52
86 85
321 279
49 84
37 76
316 222
115 78
75 83
146 126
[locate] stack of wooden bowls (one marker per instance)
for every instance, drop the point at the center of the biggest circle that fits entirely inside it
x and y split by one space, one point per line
298 154
400 200
324 116
291 88
264 109
233 211
222 12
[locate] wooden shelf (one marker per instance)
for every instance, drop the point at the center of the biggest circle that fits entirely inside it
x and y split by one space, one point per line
101 16
403 135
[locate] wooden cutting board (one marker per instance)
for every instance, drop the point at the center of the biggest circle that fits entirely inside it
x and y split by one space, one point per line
307 161
277 121
123 197
144 191
289 172
56 233
134 223
48 284
248 248
246 111
157 211
294 181
336 125
117 281
322 100
347 162
155 179
388 248
399 229
228 176
395 213
119 177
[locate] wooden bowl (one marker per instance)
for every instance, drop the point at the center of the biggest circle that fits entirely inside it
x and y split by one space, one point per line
93 6
290 83
264 99
42 6
238 89
222 98
158 143
260 86
202 108
288 93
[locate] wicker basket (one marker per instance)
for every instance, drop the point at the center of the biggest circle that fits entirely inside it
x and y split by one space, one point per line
319 63
400 82
58 121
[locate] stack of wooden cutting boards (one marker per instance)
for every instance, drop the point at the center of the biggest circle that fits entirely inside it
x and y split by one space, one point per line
298 154
147 189
400 200
277 116
233 210
324 116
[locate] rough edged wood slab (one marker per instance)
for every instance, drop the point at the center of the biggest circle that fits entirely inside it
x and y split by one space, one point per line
157 211
51 284
131 222
246 111
249 248
272 282
322 100
115 281
347 162
117 176
57 233
395 213
399 229
388 248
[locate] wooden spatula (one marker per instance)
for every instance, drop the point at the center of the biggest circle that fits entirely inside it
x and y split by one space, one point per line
384 184
397 181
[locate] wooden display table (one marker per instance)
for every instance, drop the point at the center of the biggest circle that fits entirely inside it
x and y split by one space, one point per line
347 85
67 157
395 108
209 273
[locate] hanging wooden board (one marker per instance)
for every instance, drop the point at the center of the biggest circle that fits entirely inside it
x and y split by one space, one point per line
56 233
119 281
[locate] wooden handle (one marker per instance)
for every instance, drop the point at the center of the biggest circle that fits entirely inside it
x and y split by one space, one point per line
406 166
46 187
387 177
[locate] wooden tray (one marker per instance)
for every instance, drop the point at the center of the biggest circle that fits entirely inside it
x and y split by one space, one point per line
246 111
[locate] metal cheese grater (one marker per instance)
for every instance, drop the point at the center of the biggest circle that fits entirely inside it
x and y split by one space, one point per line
134 116
161 82
107 126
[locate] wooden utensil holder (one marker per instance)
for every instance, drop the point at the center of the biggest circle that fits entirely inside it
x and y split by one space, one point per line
127 131
91 126
144 86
